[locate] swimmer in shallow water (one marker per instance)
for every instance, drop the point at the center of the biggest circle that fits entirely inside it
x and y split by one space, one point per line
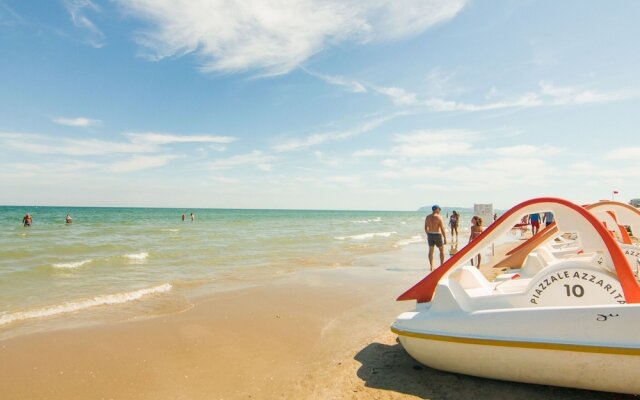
68 219
27 220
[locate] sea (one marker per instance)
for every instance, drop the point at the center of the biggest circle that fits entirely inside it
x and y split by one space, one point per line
118 264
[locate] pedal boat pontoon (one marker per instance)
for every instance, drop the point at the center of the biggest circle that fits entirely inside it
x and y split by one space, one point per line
575 322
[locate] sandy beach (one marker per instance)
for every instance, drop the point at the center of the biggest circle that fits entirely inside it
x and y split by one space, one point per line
317 334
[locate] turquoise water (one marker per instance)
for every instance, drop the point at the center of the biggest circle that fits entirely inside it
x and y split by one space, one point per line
123 263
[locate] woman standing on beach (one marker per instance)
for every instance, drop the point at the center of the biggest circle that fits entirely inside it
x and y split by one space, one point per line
453 224
476 230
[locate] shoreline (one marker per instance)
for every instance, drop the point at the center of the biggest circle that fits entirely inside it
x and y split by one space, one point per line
271 335
312 334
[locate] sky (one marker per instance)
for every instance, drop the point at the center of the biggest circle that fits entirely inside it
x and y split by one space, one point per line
317 104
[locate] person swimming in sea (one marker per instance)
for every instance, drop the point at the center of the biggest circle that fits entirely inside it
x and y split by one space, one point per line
27 220
68 219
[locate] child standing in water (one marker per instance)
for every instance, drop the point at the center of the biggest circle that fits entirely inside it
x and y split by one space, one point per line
476 230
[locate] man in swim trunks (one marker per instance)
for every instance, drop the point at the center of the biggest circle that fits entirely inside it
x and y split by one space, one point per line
534 220
436 236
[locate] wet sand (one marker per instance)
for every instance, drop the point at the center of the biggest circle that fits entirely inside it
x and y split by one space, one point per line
319 334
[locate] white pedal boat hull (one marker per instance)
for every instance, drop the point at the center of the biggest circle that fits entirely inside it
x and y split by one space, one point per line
487 352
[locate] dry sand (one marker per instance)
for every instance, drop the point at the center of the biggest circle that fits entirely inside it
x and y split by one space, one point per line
320 334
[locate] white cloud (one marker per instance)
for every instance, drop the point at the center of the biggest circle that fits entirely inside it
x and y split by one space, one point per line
624 153
591 170
138 162
400 18
434 143
76 9
225 179
343 179
255 158
432 150
391 162
514 165
166 138
314 140
399 96
275 36
137 143
46 172
350 84
398 170
434 187
526 100
72 147
321 138
526 150
478 175
367 153
440 83
52 168
77 122
547 95
328 160
558 95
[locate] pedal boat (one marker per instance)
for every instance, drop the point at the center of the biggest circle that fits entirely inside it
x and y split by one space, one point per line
573 323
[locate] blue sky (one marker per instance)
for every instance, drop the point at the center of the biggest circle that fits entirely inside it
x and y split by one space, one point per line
321 104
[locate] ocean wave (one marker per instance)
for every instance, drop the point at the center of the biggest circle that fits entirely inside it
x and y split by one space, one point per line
411 240
170 230
366 236
71 265
108 299
137 256
366 221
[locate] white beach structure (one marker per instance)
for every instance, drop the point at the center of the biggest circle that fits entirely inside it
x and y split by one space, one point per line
485 211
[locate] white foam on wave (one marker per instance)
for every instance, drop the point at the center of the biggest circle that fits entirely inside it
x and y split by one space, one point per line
411 240
71 265
137 256
366 236
171 230
108 299
366 221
